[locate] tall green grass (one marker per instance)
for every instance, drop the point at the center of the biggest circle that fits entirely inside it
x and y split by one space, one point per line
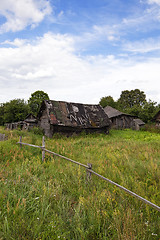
52 200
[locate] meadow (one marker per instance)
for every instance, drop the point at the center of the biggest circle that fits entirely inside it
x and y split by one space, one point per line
52 199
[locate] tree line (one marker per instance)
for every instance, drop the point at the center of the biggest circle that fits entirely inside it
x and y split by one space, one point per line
17 109
132 102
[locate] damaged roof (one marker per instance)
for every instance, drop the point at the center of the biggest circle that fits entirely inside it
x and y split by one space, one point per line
112 112
30 118
139 121
74 114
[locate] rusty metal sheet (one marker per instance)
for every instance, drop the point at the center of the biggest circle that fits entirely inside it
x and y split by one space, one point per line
53 119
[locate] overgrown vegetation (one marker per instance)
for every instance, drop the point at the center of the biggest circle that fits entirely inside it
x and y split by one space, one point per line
133 102
52 200
17 109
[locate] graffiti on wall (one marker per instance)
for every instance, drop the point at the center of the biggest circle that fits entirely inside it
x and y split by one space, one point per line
79 118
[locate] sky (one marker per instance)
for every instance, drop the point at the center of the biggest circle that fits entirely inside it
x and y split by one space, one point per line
79 50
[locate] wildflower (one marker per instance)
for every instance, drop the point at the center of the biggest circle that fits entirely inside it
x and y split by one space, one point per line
147 223
81 200
108 199
154 234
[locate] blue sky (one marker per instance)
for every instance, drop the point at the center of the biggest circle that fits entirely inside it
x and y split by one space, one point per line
79 51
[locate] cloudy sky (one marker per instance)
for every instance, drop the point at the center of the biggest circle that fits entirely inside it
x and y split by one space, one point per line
79 50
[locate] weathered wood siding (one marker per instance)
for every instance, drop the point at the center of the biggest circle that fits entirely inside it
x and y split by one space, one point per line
57 116
44 124
122 122
70 130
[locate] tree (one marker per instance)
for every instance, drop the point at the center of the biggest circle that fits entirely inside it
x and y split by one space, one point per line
133 98
36 100
1 113
148 111
15 110
107 101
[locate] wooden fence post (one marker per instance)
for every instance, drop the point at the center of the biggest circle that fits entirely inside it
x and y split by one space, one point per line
89 173
3 137
43 146
20 140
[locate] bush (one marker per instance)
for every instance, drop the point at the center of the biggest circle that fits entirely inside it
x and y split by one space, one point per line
37 131
151 128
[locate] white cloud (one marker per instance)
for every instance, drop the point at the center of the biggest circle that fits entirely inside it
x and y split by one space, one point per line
50 64
154 1
145 21
110 32
17 42
143 46
154 9
22 13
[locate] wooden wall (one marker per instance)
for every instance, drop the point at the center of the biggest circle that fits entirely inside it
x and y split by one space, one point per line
122 122
45 124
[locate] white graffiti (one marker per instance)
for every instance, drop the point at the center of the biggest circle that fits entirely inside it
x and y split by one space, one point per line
75 109
82 120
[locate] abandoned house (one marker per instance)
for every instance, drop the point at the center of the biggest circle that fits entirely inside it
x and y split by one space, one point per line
29 122
138 124
120 120
14 125
156 119
66 117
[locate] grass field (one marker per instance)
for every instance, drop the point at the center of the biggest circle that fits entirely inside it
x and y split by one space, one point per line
52 200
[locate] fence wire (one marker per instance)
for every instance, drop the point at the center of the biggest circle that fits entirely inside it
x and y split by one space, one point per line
89 169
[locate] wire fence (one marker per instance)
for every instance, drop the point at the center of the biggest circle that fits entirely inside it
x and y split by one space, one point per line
89 171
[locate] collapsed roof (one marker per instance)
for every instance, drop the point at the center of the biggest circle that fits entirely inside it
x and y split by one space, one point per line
139 122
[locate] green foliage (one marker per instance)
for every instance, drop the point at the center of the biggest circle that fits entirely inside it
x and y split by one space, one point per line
145 112
149 110
51 200
107 101
129 99
1 114
36 130
150 127
35 101
133 102
17 109
14 111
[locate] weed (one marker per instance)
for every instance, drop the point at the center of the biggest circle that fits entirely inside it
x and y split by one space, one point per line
51 200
